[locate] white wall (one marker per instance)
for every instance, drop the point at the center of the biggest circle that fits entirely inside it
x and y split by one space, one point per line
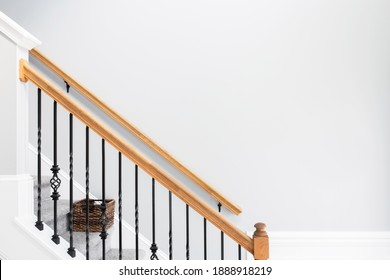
281 105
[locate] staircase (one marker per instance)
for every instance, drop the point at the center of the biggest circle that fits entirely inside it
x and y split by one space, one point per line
95 245
54 210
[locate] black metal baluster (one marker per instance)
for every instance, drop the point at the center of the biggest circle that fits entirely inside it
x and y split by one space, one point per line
38 223
170 227
153 247
55 181
239 252
87 192
120 204
187 232
136 215
222 236
205 238
71 249
103 220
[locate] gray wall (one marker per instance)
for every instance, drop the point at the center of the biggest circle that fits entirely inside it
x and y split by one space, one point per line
281 105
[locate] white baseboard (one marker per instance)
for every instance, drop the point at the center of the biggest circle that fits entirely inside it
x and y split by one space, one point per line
332 245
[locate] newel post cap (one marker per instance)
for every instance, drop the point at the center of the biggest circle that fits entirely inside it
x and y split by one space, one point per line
260 230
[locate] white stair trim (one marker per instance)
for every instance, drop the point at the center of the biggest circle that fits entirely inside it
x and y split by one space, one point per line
44 238
16 33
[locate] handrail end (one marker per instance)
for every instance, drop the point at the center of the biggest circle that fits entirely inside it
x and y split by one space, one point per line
235 209
22 77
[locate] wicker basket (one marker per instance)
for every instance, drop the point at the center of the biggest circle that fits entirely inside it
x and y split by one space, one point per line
95 212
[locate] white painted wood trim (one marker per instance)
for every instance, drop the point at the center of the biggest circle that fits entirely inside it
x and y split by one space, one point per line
16 33
22 181
44 239
23 42
22 116
329 245
14 178
26 194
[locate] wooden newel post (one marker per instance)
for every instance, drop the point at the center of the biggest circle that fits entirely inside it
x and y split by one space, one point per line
260 242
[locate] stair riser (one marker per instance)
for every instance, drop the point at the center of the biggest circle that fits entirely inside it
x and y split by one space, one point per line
62 211
45 193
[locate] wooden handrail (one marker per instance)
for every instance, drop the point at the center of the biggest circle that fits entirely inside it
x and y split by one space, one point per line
135 131
27 73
